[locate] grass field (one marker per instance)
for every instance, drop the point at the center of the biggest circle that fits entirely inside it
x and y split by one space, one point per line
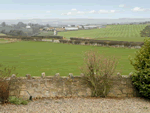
37 57
1 34
111 32
3 41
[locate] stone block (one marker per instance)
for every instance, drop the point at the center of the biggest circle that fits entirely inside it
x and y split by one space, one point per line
35 77
57 74
17 92
131 73
111 94
42 85
122 95
81 93
43 75
127 90
34 85
23 86
130 95
23 92
30 91
13 75
70 75
123 82
88 92
46 93
28 76
81 74
117 92
125 76
53 94
118 75
50 83
11 93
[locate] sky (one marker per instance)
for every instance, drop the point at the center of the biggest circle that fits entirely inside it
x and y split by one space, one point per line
68 9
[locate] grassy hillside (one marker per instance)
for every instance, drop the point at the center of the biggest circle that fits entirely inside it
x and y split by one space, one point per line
37 57
111 32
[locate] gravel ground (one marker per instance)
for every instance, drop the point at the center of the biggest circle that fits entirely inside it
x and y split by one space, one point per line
81 105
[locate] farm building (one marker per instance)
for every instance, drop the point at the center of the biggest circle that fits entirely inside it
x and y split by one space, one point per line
71 28
89 27
80 27
28 27
101 26
60 29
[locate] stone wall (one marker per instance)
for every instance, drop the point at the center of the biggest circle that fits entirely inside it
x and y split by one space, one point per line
136 45
56 86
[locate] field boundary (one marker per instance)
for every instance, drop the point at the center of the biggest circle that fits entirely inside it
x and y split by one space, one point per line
56 86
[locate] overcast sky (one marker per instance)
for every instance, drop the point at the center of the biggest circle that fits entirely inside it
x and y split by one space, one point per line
65 9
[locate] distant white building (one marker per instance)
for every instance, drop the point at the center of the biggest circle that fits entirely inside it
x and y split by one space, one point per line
71 28
89 27
101 26
80 27
28 27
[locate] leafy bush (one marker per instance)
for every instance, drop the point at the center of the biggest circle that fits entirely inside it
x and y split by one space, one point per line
141 77
18 101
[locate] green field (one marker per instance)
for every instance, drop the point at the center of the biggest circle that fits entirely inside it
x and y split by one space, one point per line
37 57
3 41
111 32
1 34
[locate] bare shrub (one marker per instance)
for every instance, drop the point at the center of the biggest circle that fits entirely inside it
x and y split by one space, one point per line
97 70
5 81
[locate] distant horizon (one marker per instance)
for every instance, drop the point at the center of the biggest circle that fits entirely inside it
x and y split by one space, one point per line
75 21
72 18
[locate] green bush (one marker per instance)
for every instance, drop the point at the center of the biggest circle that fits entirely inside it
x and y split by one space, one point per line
141 77
17 101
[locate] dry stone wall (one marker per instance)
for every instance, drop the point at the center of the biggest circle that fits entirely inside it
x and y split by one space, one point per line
71 86
122 44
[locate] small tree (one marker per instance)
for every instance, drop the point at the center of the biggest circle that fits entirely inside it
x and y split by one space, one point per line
97 72
3 24
3 31
141 77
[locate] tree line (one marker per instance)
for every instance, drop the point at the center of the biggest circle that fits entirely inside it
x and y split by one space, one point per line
21 30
